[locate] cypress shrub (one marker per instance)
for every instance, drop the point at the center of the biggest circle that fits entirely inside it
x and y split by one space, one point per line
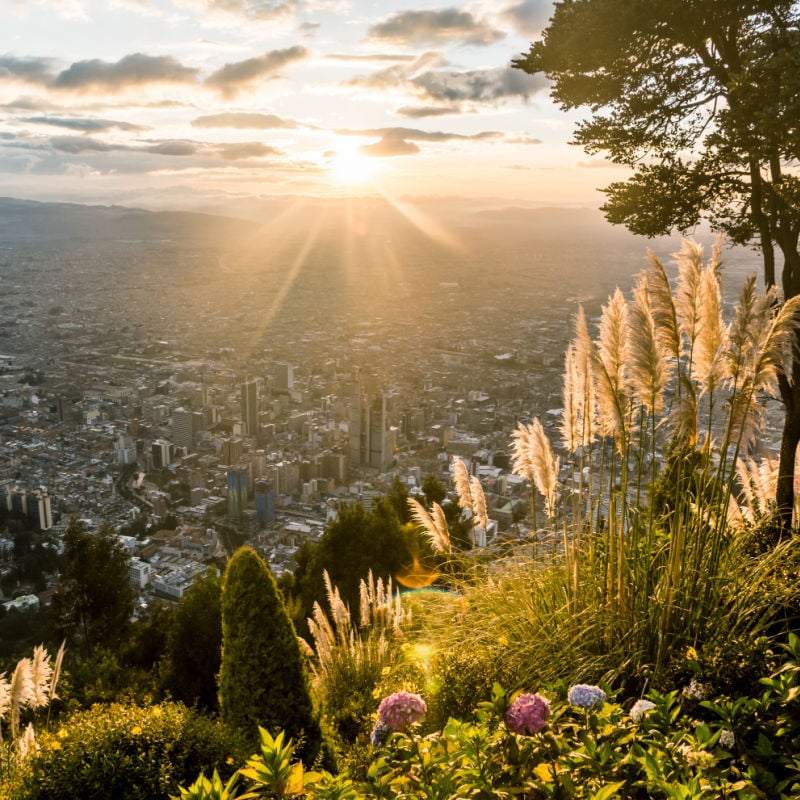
263 678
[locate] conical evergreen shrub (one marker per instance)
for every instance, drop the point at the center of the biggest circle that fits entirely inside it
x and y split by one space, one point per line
263 679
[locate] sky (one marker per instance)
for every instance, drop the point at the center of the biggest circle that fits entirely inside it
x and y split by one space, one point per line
192 103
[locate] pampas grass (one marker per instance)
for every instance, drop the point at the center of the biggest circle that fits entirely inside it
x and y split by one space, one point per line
659 563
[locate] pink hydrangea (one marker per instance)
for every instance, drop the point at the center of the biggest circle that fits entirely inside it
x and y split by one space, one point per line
527 714
401 709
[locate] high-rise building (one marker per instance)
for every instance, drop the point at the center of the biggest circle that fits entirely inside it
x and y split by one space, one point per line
40 511
237 492
265 501
249 391
183 428
284 377
161 451
370 440
231 450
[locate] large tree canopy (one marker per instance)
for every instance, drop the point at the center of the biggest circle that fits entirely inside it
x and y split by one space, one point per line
701 99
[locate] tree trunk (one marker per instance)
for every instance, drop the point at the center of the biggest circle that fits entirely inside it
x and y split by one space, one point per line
789 442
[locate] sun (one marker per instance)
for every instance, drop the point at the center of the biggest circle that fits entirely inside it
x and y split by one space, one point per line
350 167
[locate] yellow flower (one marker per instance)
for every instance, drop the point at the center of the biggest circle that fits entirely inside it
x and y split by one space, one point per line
385 671
376 692
691 654
62 733
55 745
136 730
229 761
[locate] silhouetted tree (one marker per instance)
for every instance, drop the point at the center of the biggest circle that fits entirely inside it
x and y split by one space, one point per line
700 99
193 652
94 599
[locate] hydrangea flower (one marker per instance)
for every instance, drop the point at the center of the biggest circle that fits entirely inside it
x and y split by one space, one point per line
401 709
583 695
695 690
640 708
527 714
727 739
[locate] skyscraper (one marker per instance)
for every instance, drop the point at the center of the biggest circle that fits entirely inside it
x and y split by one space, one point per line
250 407
182 428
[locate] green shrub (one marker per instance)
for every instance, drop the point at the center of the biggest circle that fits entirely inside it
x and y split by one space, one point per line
125 752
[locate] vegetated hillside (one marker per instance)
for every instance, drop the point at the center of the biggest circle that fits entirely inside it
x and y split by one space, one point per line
26 220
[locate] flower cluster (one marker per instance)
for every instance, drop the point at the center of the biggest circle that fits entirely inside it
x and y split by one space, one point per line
395 713
727 739
695 690
701 759
401 709
583 695
379 733
527 714
640 708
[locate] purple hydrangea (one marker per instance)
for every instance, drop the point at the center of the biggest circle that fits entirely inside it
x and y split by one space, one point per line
527 714
583 695
401 709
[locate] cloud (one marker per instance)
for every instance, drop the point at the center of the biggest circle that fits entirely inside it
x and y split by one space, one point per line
79 144
529 17
258 10
132 70
241 150
390 147
425 27
85 125
173 147
418 112
480 85
262 122
446 91
370 57
400 141
237 75
29 70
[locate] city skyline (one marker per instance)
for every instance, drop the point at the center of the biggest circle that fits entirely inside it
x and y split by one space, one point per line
199 103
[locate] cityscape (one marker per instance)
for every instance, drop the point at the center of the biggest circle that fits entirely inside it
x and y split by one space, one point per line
183 389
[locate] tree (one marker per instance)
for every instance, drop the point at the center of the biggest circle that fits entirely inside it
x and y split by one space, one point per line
356 542
94 599
192 659
262 679
700 98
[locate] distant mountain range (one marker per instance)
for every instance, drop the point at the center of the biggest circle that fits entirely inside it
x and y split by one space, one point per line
26 220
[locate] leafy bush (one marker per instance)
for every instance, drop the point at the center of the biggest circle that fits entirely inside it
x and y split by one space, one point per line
125 751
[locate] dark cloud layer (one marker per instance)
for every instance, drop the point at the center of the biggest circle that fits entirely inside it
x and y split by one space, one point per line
426 27
235 76
529 17
29 70
132 70
241 120
401 141
445 91
87 125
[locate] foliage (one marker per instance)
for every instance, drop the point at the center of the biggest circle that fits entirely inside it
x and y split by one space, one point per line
125 751
354 544
645 559
352 651
192 659
670 746
696 98
94 599
262 679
